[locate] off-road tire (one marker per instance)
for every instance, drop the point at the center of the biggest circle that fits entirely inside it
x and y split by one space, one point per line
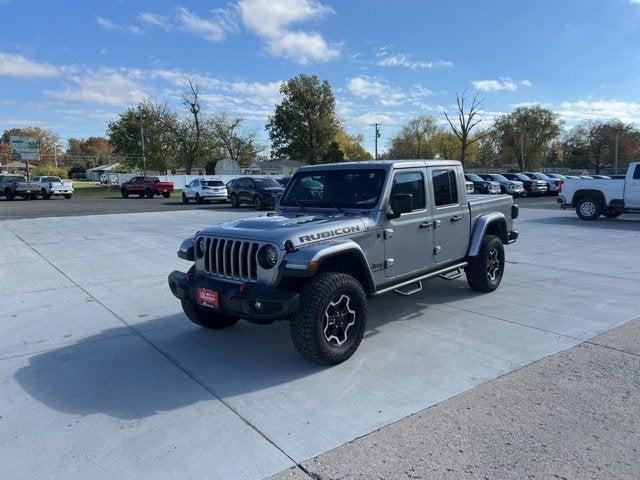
612 213
124 192
307 327
207 318
166 194
480 268
589 208
185 200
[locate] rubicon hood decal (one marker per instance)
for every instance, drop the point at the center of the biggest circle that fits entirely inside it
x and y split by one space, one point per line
336 232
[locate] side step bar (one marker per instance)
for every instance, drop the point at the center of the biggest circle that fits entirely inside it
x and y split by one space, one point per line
417 288
451 275
412 281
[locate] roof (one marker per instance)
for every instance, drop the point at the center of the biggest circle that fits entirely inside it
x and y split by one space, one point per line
280 163
17 164
399 163
103 168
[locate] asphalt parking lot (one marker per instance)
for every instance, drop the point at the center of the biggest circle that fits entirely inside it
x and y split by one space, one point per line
79 205
102 376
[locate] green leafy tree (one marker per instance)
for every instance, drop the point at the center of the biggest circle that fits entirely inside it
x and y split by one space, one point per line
526 135
415 139
160 125
305 123
351 146
333 154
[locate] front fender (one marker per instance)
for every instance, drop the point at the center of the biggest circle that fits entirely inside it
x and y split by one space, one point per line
480 228
304 261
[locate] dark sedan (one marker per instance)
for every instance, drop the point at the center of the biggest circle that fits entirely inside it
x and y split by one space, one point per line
261 192
480 185
531 186
510 187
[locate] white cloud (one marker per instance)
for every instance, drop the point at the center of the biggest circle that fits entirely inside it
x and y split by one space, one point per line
107 24
153 19
370 118
600 110
503 83
387 59
527 83
214 29
105 86
384 92
271 20
14 65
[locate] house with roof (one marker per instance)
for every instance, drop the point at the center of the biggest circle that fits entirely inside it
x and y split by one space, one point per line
283 167
96 173
16 167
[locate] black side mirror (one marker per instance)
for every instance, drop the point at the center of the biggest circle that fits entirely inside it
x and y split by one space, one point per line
400 203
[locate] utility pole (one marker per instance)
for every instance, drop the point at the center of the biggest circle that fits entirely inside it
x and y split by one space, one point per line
524 167
144 159
377 136
615 168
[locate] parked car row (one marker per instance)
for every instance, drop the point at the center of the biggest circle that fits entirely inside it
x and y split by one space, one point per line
523 183
12 186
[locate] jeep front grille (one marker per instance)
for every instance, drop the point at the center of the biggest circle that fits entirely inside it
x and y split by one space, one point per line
233 259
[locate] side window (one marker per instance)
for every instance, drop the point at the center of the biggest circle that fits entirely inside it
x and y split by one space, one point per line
636 174
411 183
445 188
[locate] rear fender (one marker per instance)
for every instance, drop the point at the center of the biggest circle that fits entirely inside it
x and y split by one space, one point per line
491 223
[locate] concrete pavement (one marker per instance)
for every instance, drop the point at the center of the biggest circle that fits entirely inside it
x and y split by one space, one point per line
101 375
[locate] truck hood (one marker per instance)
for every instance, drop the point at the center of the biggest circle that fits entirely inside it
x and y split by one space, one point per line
300 229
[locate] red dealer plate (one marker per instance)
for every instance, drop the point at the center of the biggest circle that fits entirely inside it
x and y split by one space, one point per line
207 298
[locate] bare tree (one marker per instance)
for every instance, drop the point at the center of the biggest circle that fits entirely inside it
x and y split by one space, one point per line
467 120
238 143
189 132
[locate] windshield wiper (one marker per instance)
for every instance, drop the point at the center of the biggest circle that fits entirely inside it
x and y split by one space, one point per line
337 207
299 205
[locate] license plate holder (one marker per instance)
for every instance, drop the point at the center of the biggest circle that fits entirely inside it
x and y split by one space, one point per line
206 297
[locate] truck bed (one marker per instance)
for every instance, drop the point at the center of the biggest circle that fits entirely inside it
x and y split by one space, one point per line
483 204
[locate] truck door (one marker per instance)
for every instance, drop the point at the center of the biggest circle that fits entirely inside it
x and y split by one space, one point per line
632 188
451 222
408 238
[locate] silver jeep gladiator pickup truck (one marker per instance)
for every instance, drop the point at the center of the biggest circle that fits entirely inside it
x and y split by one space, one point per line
339 234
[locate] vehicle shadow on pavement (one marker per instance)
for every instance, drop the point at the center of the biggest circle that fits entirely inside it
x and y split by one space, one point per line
133 375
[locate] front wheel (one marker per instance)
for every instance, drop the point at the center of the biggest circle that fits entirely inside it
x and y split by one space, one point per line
148 193
185 200
589 208
328 327
124 192
235 203
8 194
166 194
68 196
258 203
199 199
207 318
484 272
45 195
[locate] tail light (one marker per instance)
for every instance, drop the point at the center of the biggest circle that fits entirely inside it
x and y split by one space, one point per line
559 183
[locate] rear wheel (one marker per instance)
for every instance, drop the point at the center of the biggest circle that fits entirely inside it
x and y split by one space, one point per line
166 194
258 203
207 318
184 198
44 194
234 201
8 194
589 208
68 196
484 272
124 192
329 325
199 199
148 193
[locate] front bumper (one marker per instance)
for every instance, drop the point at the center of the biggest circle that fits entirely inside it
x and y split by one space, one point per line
238 300
61 192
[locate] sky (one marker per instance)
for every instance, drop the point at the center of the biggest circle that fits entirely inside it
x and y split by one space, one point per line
72 66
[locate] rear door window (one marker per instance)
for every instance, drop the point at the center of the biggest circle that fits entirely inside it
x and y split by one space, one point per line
445 188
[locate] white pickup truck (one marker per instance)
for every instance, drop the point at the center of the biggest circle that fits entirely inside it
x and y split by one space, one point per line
54 186
608 197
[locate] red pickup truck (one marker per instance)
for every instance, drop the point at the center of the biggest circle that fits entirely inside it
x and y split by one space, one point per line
146 187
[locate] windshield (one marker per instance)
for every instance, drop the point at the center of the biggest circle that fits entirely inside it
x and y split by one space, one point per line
499 178
541 176
266 183
358 188
474 177
212 183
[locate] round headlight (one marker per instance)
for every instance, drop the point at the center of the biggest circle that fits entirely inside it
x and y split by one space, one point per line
269 256
201 245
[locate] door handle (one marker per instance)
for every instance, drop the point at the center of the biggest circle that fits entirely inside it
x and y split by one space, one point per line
425 225
456 218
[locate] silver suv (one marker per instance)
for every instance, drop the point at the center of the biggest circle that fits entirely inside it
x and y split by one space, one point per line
339 234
